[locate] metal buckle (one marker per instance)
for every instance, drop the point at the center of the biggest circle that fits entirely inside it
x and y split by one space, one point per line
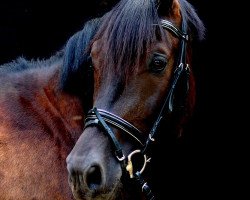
151 138
144 185
187 68
120 159
129 166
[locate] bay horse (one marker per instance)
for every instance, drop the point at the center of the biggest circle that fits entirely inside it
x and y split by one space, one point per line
70 125
142 89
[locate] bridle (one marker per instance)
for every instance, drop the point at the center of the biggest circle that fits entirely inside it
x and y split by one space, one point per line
102 118
105 119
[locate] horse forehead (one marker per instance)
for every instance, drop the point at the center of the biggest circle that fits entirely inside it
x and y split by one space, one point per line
98 47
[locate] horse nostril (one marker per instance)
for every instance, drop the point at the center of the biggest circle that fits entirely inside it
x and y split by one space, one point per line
94 177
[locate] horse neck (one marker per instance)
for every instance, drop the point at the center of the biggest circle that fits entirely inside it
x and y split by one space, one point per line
39 124
65 109
39 100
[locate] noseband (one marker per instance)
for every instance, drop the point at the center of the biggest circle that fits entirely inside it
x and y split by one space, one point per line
104 119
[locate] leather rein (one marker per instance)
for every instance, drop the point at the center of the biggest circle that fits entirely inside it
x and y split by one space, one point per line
105 119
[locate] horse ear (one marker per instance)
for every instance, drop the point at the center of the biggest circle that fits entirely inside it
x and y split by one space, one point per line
164 2
168 7
164 6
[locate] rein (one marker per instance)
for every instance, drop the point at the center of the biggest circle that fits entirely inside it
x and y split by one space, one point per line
102 118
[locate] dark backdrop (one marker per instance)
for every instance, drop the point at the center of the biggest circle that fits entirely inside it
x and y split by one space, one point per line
37 29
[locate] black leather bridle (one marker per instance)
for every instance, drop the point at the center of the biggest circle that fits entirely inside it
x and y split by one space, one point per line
105 119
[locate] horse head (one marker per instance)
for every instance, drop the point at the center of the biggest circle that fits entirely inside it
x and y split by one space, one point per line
138 64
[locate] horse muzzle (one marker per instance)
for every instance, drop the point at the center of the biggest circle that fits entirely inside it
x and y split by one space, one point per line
93 173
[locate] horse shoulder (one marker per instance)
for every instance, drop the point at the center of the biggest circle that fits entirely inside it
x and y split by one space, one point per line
39 124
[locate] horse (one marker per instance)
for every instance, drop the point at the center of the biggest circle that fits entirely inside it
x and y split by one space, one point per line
72 126
142 92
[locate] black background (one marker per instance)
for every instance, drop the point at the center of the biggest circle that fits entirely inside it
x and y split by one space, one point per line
37 29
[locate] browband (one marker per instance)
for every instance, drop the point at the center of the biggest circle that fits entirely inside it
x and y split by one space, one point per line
177 32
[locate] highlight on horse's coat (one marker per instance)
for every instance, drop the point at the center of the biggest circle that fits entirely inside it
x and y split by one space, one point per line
84 124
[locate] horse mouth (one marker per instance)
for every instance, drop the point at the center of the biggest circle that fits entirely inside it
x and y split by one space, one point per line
92 192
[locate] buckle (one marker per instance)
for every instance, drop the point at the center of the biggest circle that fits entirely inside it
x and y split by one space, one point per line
120 158
129 166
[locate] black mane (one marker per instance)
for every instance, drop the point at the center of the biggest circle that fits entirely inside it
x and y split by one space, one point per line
72 56
190 17
76 55
22 64
130 33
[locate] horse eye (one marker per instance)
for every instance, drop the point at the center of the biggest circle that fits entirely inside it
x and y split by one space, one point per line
158 63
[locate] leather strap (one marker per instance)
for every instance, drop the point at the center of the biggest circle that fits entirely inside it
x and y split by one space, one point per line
100 121
117 122
167 106
177 32
102 117
144 186
182 68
